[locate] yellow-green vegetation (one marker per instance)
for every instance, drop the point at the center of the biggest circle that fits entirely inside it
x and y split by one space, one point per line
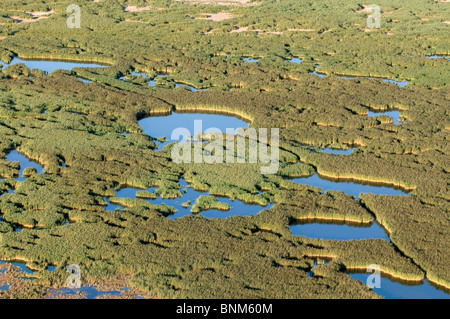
204 203
57 119
417 226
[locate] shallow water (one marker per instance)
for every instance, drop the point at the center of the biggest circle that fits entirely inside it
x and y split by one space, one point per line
193 89
393 289
237 208
250 60
91 292
49 66
84 80
399 83
23 267
163 125
15 156
351 188
317 74
438 57
337 230
294 60
394 114
337 152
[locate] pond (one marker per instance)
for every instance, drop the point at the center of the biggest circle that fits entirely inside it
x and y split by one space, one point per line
400 83
351 188
315 72
163 125
334 230
395 115
294 60
250 60
438 57
337 152
25 163
398 289
193 89
48 66
237 208
89 292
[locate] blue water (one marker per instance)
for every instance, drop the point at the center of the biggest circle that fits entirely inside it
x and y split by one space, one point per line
438 57
337 152
317 74
91 292
193 89
163 125
84 80
391 289
15 156
351 188
346 77
337 231
23 267
250 60
399 83
49 66
294 60
394 114
237 208
4 287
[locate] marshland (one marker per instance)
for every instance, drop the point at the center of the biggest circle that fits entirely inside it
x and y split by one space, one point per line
87 178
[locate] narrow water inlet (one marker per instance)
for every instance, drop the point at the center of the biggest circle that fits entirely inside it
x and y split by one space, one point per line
237 208
391 288
48 66
337 230
349 187
164 125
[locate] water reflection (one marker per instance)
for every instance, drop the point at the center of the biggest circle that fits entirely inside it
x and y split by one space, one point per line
348 187
391 288
237 208
395 115
25 163
164 125
48 66
337 230
294 60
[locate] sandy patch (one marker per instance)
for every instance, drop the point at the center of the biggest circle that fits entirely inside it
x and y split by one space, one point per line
40 13
20 20
446 22
328 30
240 3
300 30
216 17
368 30
34 16
3 38
136 9
267 32
364 8
135 21
240 29
243 29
